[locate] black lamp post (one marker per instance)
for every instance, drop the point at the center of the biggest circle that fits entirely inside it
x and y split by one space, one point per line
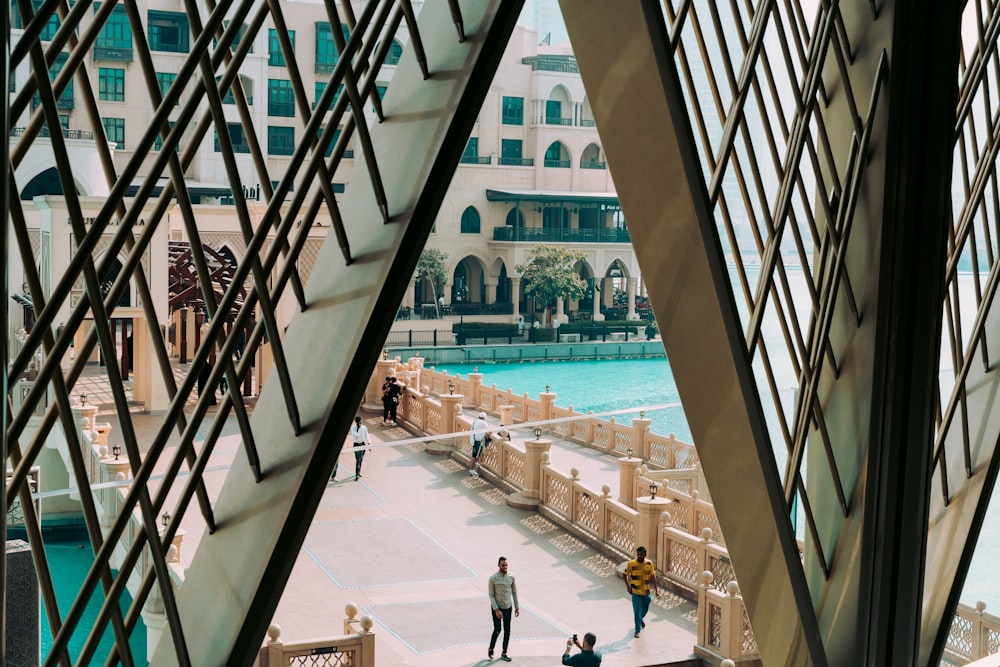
116 450
538 432
451 387
652 490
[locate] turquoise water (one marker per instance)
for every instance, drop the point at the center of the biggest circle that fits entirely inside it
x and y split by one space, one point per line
598 386
614 385
69 560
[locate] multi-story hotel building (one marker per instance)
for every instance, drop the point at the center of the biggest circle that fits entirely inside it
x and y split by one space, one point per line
533 170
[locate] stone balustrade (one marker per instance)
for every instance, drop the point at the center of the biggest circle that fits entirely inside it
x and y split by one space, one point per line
974 634
679 526
356 647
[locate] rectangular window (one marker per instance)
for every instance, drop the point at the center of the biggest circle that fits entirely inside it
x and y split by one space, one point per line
114 128
472 148
48 32
280 99
236 40
321 87
275 58
326 50
114 42
510 154
169 31
237 136
513 111
111 84
348 152
166 79
158 143
553 113
280 140
64 101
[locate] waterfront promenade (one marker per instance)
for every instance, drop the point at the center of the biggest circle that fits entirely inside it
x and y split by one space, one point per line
413 542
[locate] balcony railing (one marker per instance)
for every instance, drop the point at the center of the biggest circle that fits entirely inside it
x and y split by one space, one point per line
281 109
109 53
593 164
557 164
586 122
44 132
539 235
475 159
517 161
324 67
552 120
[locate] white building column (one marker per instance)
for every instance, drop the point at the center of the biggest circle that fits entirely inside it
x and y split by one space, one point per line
630 286
560 309
491 292
515 296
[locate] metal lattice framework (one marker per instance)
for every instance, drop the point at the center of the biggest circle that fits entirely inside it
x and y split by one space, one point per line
222 34
772 133
777 128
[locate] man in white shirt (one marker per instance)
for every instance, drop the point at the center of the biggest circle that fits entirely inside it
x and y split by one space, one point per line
359 434
477 439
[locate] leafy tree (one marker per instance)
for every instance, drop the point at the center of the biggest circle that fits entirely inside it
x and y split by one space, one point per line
549 274
430 267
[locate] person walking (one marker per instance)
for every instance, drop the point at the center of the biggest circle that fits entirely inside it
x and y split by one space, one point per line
477 440
520 326
359 433
587 657
639 575
502 590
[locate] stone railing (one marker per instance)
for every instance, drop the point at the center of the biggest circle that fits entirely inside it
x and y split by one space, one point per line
974 634
355 648
109 474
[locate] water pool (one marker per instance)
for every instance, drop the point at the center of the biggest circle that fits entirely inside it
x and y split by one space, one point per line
600 386
70 557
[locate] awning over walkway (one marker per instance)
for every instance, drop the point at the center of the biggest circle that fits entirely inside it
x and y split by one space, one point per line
609 199
194 188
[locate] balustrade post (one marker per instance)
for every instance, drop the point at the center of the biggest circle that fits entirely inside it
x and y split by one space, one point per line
475 382
732 622
649 509
548 399
588 436
602 518
627 467
640 436
980 641
111 468
275 648
671 462
506 415
574 479
705 580
451 407
529 498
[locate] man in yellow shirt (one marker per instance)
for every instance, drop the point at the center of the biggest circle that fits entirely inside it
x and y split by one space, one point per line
640 574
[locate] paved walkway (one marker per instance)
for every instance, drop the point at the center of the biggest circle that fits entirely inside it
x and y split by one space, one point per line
413 542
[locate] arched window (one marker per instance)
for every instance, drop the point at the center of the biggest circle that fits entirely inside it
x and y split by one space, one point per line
557 156
515 218
470 221
394 53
